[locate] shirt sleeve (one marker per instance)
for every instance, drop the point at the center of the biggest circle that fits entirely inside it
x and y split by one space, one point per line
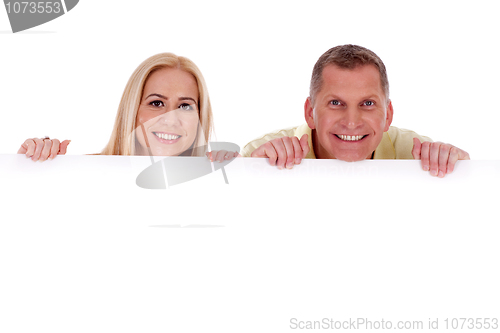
252 145
402 141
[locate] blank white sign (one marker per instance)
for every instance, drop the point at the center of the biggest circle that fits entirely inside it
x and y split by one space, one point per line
83 248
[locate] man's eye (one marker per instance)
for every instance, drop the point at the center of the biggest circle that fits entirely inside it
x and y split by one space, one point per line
186 107
157 103
335 102
369 103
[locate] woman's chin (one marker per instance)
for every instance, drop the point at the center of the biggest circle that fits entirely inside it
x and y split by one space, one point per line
167 152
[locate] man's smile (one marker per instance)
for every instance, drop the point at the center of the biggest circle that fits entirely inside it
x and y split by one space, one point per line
350 137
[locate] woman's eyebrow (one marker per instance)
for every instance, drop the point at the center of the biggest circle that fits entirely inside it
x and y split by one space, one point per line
164 97
158 95
187 98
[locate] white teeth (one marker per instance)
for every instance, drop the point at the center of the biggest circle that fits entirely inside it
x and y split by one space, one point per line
167 136
350 137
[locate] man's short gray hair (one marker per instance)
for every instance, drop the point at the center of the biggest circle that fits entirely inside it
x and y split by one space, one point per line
348 57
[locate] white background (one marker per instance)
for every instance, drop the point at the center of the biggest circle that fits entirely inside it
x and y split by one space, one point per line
83 249
65 78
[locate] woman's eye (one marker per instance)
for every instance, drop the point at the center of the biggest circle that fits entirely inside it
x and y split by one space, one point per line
157 103
186 107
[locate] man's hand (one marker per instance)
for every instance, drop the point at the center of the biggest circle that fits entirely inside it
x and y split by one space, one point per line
437 157
284 152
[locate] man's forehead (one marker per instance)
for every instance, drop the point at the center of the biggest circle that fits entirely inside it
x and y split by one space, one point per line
361 73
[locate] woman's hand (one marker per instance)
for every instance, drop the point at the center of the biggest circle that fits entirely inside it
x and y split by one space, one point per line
43 149
222 155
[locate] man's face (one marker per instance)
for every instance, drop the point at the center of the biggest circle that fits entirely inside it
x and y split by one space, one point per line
350 113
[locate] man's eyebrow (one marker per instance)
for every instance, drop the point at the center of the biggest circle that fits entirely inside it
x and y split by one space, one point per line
364 98
331 97
372 96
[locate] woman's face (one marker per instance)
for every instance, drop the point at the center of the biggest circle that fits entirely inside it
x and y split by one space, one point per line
168 113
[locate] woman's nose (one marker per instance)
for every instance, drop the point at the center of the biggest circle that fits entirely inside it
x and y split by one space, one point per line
170 117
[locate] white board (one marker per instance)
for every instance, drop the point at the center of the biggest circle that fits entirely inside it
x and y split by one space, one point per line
83 248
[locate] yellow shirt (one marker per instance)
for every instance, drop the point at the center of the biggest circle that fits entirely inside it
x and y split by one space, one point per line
396 143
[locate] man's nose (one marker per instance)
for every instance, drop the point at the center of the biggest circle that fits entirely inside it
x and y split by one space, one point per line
352 117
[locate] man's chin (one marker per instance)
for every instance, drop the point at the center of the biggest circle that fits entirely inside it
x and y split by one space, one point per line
352 157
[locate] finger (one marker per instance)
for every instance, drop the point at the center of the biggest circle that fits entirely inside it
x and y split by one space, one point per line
304 143
290 153
297 149
22 149
444 155
38 149
463 155
25 148
424 155
279 147
31 148
209 155
63 147
416 148
453 158
227 155
47 146
220 155
266 150
54 150
230 154
434 158
216 155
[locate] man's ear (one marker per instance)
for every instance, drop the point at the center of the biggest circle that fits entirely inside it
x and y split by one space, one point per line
309 113
388 117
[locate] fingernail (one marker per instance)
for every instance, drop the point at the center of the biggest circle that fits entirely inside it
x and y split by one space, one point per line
441 174
426 168
434 173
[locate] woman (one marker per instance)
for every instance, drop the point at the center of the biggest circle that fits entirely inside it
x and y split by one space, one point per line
164 111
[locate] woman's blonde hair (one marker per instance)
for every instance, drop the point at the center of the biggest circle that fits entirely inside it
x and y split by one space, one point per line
122 140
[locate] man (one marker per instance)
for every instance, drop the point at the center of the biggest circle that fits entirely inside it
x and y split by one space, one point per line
348 116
